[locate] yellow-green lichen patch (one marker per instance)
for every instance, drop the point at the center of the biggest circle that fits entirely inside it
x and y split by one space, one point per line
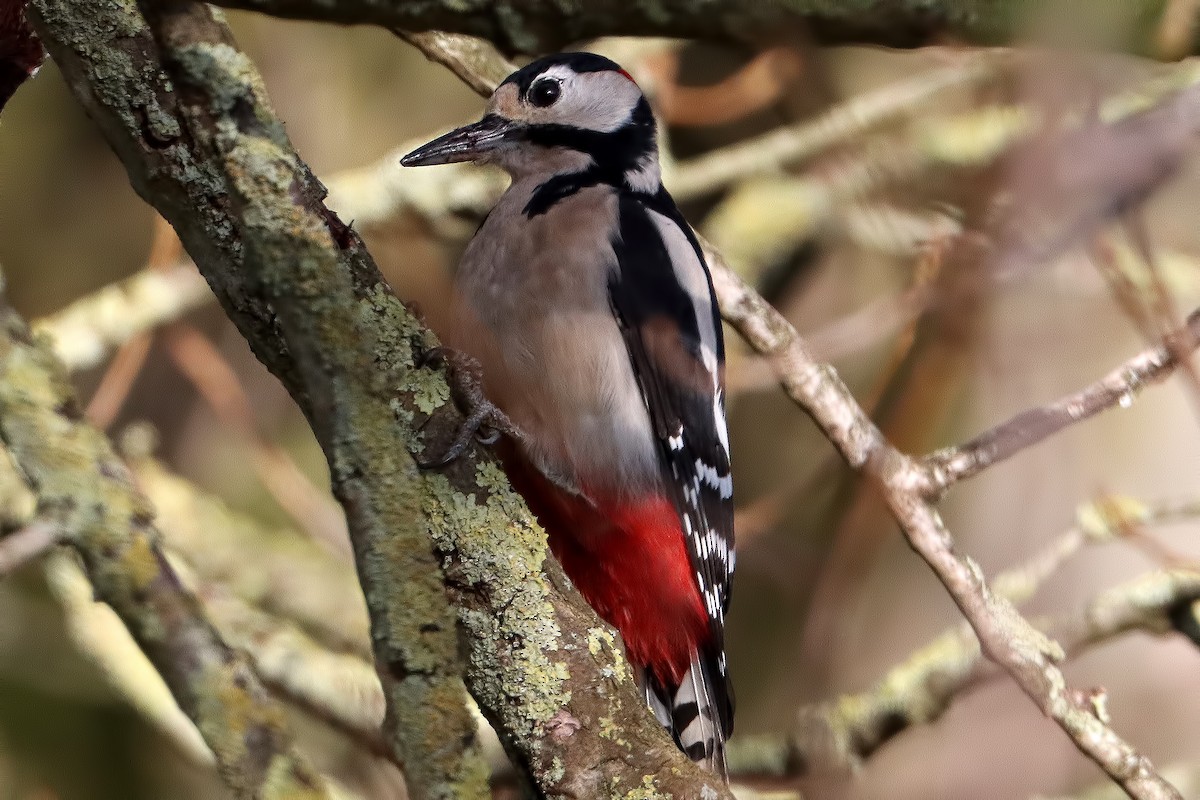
431 395
603 638
647 791
612 731
141 563
497 544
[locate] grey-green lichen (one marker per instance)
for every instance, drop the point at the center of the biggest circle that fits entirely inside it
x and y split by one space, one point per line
648 790
84 488
309 299
496 543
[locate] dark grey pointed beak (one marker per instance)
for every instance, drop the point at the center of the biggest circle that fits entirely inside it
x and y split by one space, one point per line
468 143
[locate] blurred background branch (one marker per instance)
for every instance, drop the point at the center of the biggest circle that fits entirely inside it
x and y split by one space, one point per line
84 490
1004 636
533 26
909 222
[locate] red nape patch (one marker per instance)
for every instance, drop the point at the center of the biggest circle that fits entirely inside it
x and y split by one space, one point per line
629 560
627 75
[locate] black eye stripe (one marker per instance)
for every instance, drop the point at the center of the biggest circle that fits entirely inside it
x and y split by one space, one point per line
544 92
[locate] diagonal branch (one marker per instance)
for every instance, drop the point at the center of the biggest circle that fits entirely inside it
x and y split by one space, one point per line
212 157
1118 388
85 491
532 26
1006 637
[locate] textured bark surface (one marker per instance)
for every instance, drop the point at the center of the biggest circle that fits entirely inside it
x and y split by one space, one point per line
533 26
456 573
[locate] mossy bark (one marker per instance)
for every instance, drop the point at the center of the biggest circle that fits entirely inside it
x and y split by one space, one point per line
85 490
535 26
454 569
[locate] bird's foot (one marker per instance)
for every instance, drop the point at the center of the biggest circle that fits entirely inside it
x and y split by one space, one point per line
484 422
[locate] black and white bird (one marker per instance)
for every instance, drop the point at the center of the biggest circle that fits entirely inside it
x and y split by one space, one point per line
586 300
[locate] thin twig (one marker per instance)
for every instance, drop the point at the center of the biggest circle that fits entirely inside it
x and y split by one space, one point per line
946 467
106 402
1004 635
795 143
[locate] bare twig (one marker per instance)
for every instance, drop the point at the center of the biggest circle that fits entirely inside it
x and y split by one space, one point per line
463 55
1004 635
763 80
105 403
86 492
795 143
1118 388
308 506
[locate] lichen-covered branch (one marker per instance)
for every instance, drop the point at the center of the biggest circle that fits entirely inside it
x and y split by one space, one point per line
302 289
103 639
84 490
291 576
840 734
531 26
1007 638
307 263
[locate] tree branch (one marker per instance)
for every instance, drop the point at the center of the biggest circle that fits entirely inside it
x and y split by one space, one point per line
86 331
1118 388
841 734
533 26
300 286
84 490
1028 656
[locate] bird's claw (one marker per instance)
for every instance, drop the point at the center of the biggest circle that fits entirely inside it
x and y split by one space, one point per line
484 422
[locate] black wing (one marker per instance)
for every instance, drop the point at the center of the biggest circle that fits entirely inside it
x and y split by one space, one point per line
662 295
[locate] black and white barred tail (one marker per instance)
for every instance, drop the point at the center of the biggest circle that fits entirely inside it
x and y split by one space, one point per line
698 713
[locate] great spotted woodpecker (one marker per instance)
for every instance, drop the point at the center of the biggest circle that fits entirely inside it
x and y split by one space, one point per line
586 300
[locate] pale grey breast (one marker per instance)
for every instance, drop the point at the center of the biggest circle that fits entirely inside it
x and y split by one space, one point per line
533 307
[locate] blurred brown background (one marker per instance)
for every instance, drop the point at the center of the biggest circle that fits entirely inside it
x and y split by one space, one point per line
828 595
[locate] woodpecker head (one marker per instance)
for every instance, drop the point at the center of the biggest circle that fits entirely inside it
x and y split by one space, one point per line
563 113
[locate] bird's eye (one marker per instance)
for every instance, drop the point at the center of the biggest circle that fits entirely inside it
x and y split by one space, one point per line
544 92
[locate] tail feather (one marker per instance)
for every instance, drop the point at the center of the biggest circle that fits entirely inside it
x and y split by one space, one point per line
698 712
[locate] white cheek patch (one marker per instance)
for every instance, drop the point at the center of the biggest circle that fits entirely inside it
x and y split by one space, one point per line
594 101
